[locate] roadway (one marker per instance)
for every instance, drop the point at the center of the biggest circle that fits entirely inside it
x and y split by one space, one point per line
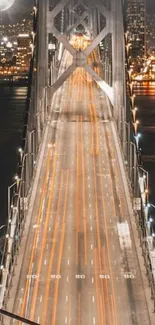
80 265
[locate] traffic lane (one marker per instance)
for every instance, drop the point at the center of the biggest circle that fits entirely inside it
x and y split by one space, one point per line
113 245
99 235
111 252
66 302
24 276
62 137
65 145
58 226
102 239
33 236
132 263
79 268
41 261
32 281
116 206
89 314
52 248
137 300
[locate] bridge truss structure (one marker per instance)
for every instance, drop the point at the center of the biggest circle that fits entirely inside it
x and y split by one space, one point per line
101 20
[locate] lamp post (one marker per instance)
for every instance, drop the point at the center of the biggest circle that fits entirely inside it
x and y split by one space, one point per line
135 124
9 189
134 110
137 137
132 99
127 139
145 176
133 166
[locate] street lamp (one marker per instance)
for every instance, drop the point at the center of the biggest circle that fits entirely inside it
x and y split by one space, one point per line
127 139
132 99
137 137
134 110
130 73
20 150
135 124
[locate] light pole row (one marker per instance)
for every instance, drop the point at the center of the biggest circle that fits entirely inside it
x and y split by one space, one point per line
141 192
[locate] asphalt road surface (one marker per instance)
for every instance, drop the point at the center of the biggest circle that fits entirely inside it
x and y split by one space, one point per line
80 265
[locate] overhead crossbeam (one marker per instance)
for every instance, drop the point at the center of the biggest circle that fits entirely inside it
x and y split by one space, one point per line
104 32
80 58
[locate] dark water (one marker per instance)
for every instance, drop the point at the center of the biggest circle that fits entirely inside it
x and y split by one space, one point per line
145 101
12 107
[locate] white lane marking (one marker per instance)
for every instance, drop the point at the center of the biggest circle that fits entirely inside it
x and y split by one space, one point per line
91 229
45 262
94 321
47 246
49 228
67 278
68 262
69 247
91 246
92 262
36 226
66 298
90 216
93 299
38 319
92 280
41 298
66 320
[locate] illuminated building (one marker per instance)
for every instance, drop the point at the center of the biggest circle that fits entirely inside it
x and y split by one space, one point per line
23 52
136 26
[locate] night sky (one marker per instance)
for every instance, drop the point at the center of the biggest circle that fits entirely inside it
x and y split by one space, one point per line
151 5
17 11
22 6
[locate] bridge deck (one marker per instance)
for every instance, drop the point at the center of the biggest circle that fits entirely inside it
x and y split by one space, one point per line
80 265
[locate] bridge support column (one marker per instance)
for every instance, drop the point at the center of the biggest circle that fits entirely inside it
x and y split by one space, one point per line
118 66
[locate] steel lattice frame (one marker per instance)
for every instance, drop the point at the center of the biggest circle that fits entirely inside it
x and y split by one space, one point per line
80 58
